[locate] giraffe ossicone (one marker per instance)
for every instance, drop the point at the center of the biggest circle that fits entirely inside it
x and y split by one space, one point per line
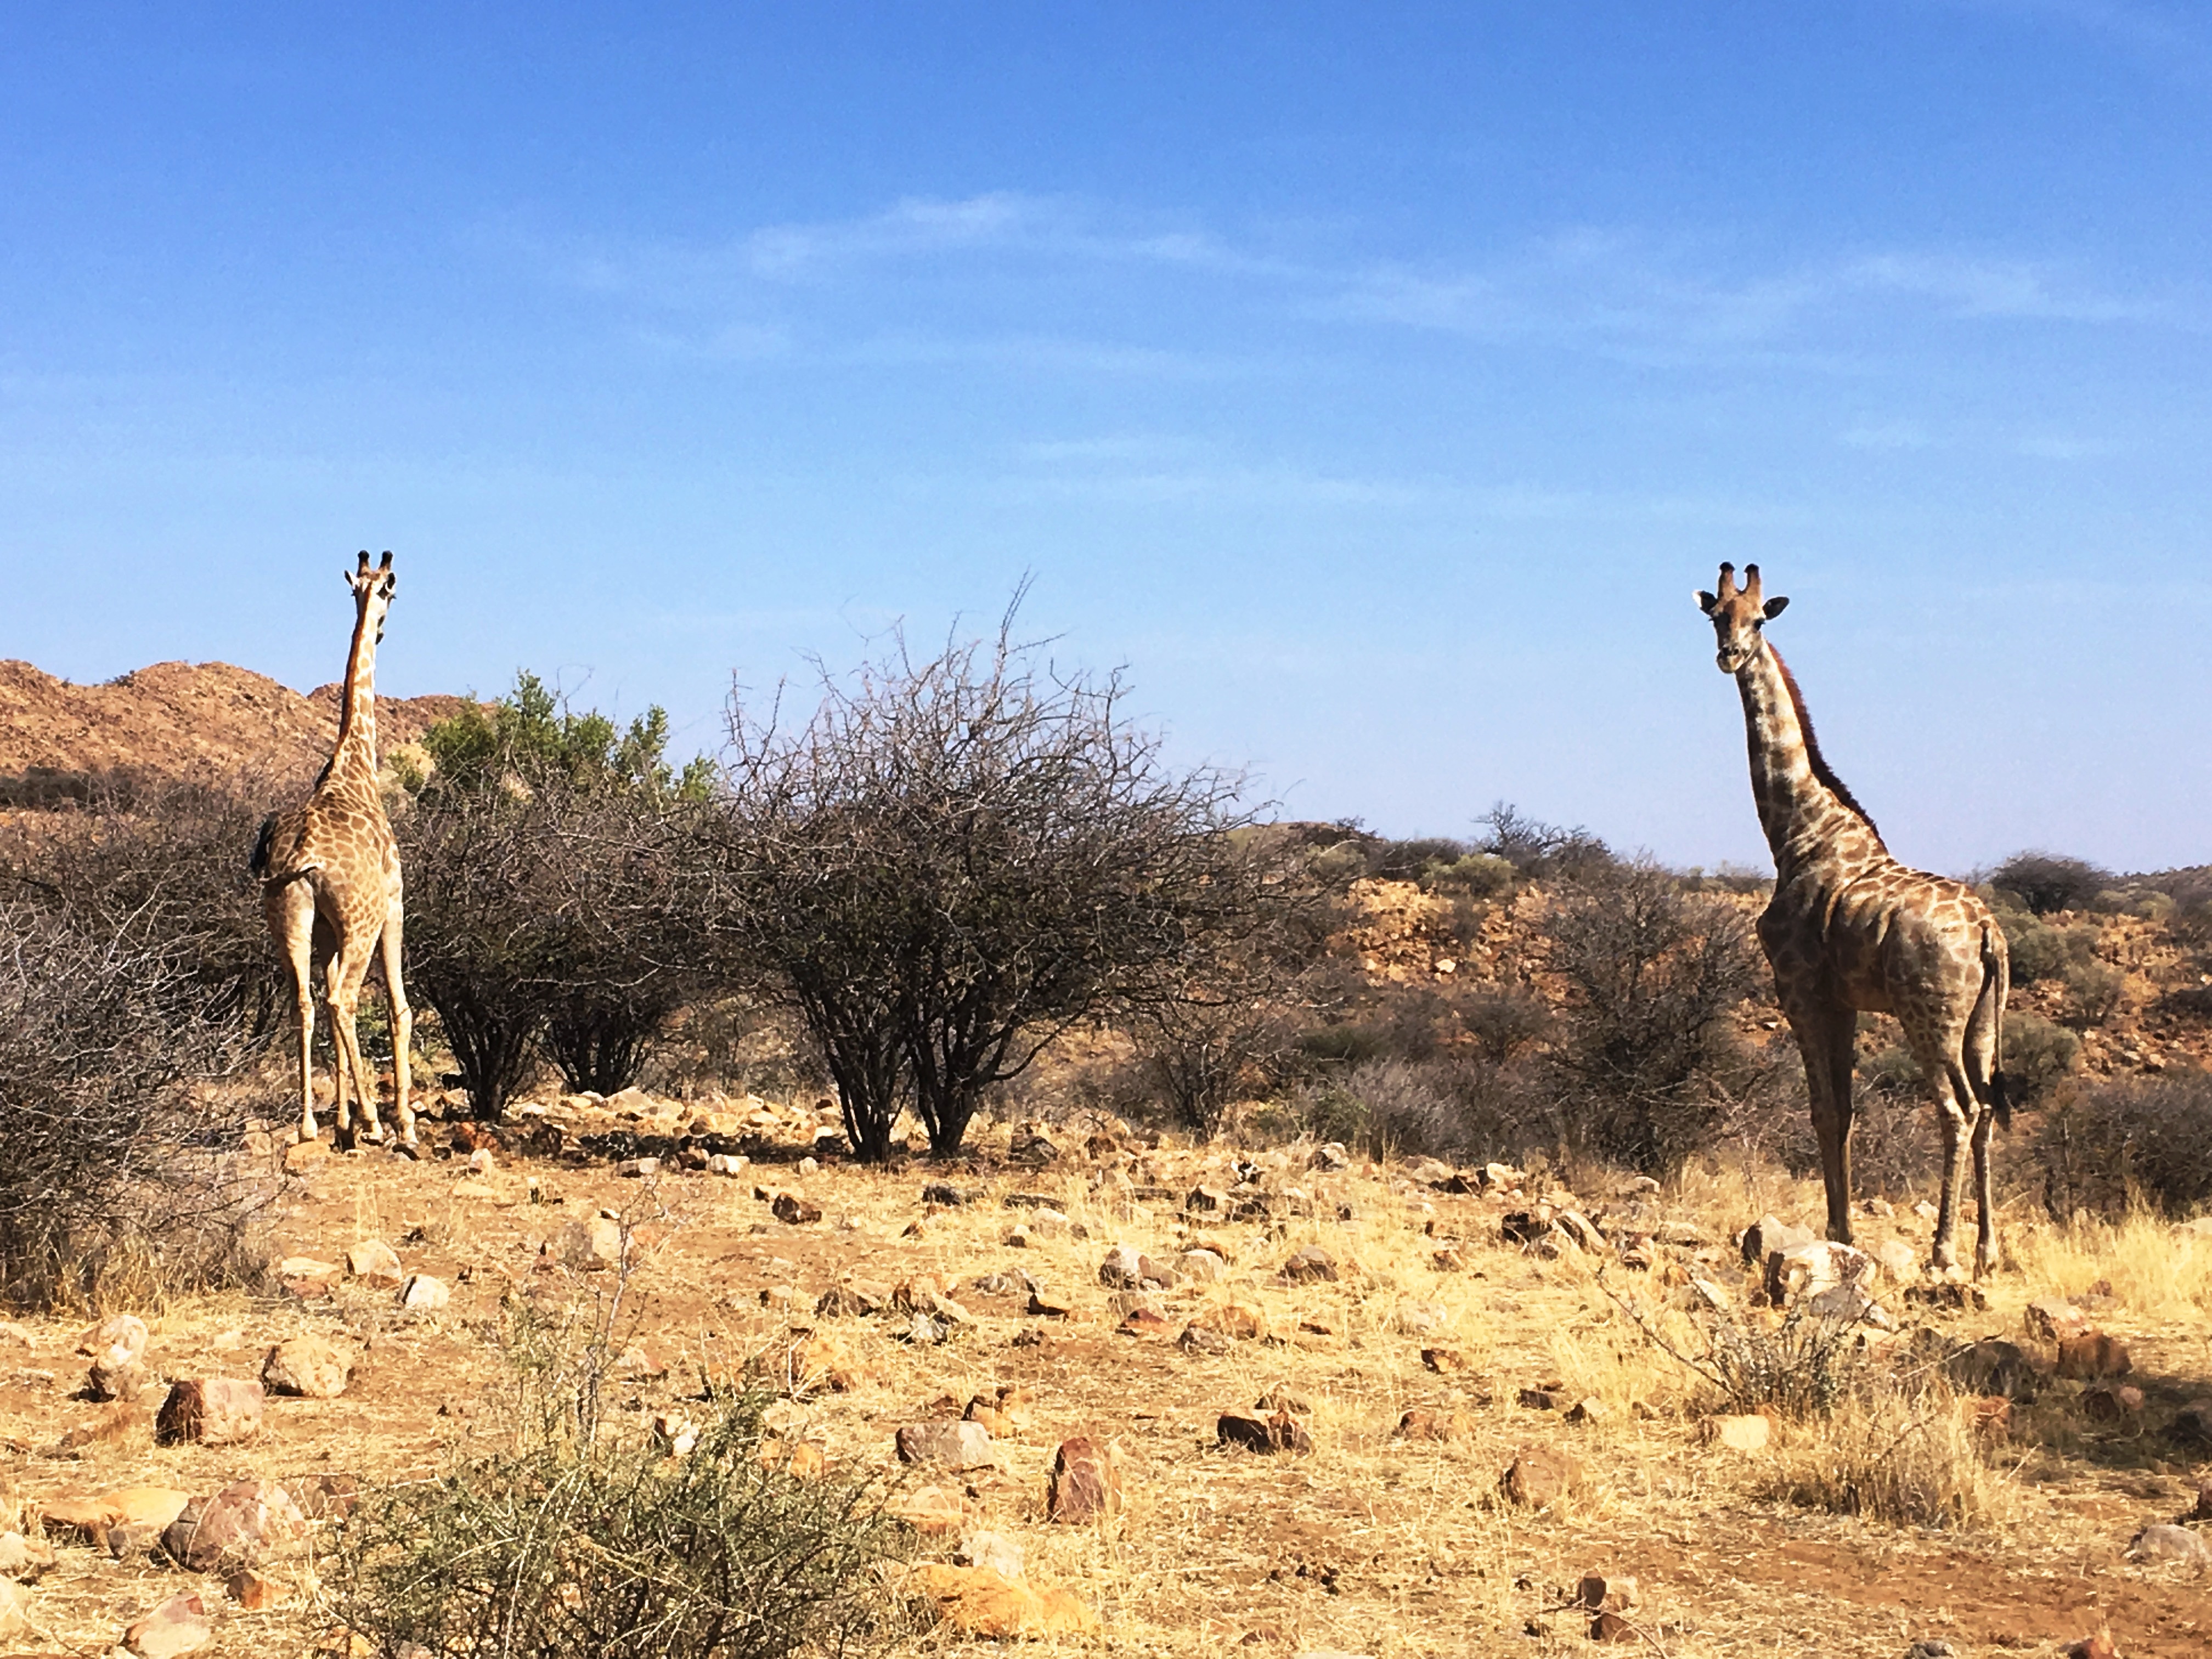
331 887
1851 930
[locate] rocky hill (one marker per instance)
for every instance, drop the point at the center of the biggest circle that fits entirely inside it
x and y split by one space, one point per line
178 719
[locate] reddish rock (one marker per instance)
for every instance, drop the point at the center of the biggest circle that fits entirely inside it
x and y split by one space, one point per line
1537 1477
1989 1416
244 1523
1146 1323
254 1592
218 1411
980 1602
179 1626
2053 1318
2093 1354
1443 1360
1084 1485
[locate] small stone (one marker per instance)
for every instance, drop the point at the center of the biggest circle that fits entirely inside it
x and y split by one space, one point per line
794 1211
1898 1260
1926 1211
978 1601
306 1277
374 1262
1444 1361
2093 1354
1747 1433
180 1623
1419 1318
239 1525
310 1367
992 1549
945 1442
1589 1409
1279 1433
423 1293
1050 1304
2166 1542
1423 1424
252 1591
1537 1477
807 1166
1769 1234
1309 1266
592 1246
1537 1400
1201 1266
1084 1484
220 1411
932 1509
2054 1319
21 1558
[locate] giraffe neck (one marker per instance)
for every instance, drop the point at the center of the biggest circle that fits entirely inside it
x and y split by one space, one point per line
356 744
1807 812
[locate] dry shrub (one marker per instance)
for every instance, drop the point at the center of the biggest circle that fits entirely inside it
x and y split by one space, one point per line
578 1544
2147 1140
2158 1271
1904 1455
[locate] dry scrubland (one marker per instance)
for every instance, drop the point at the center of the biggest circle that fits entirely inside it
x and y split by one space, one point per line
1376 1541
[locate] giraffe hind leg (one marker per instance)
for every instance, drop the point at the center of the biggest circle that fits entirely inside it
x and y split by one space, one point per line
403 1022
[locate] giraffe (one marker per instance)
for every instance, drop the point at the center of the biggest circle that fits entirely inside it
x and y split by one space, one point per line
331 885
1850 929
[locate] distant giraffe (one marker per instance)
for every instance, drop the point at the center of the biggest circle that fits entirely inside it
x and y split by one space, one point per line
1851 930
331 887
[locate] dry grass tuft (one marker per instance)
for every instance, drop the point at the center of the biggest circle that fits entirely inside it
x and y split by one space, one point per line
1906 1458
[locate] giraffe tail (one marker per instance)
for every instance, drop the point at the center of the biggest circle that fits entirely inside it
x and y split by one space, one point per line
1997 974
258 862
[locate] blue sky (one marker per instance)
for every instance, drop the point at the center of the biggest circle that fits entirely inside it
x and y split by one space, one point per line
1376 382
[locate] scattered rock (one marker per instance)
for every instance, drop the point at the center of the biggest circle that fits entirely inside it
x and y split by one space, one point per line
1238 1321
1201 1266
1537 1477
22 1560
243 1524
935 1510
1444 1361
1311 1265
1769 1234
1050 1304
254 1592
2165 1543
219 1410
424 1293
1747 1433
2093 1354
1589 1409
945 1442
307 1278
1899 1260
1801 1271
307 1367
1422 1423
1084 1485
992 1549
794 1211
1581 1230
1279 1433
116 1347
1994 1366
592 1246
180 1623
2053 1319
374 1262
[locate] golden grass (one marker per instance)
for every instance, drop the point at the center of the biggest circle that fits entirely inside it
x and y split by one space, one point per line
1902 1456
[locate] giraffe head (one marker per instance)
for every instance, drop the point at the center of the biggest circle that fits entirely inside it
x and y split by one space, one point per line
372 591
1738 614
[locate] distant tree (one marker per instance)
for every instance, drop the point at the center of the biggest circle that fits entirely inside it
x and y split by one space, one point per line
955 859
1541 851
546 855
2048 882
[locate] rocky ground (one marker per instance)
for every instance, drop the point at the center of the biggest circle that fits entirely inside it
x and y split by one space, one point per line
1146 1398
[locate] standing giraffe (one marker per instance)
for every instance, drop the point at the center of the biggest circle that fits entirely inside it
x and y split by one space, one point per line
1851 930
329 884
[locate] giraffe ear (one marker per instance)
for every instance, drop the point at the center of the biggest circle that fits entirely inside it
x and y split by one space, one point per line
1775 606
1706 602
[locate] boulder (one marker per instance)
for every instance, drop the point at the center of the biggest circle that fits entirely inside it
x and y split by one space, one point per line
374 1262
309 1367
1086 1483
945 1442
1537 1477
116 1347
2165 1543
180 1623
217 1411
592 1246
424 1294
1800 1272
794 1211
241 1526
1768 1234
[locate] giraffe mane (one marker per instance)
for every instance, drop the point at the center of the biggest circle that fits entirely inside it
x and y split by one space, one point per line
1814 757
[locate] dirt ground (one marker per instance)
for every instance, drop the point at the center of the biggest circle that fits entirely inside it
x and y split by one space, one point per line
1373 1544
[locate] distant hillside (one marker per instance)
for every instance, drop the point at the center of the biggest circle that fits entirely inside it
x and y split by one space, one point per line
178 719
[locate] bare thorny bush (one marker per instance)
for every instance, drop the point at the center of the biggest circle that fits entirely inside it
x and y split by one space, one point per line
133 977
955 860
